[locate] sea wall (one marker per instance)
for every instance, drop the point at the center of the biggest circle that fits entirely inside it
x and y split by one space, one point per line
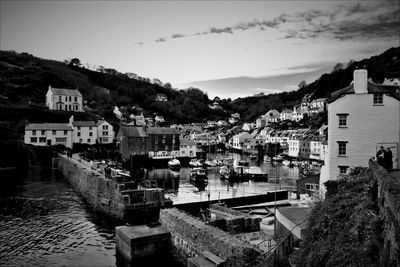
98 191
191 237
389 207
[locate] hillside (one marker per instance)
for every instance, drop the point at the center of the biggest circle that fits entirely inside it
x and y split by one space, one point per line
24 79
385 65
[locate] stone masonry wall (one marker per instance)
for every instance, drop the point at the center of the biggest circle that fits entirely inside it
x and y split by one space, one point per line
389 206
99 192
190 237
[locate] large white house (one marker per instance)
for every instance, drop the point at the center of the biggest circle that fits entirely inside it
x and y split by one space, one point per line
361 118
48 134
85 132
64 99
105 132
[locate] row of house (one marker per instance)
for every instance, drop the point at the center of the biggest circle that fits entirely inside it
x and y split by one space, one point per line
153 142
83 132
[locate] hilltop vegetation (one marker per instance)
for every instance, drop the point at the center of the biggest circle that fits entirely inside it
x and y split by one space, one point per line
25 79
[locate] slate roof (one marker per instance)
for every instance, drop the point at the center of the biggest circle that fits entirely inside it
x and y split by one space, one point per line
101 122
371 88
84 124
162 130
67 92
132 131
48 126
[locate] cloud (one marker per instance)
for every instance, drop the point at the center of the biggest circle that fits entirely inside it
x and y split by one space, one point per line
159 40
347 21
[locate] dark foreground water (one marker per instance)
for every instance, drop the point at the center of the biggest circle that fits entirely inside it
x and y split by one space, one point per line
43 222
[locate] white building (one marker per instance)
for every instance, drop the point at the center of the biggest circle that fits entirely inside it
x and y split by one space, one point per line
286 114
361 118
48 134
187 148
297 114
248 127
64 99
299 144
85 132
240 139
272 116
105 132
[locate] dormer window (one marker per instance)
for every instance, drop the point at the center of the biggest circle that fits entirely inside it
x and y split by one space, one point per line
378 99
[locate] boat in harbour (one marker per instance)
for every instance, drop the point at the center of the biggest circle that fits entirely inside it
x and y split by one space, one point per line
174 164
198 174
253 156
267 158
286 163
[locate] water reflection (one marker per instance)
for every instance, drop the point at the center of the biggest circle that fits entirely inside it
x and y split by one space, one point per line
279 177
43 222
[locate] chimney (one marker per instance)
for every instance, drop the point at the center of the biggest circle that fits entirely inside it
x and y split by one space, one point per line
71 120
360 81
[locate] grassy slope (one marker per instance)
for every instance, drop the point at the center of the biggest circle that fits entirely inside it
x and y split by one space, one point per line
345 229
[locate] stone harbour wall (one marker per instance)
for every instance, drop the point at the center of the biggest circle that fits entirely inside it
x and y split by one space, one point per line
192 237
389 206
98 191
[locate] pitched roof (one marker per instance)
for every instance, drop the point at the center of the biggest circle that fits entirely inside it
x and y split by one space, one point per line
101 122
67 92
132 131
162 130
84 124
48 126
371 88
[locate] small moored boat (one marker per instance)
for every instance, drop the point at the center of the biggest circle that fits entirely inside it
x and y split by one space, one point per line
174 164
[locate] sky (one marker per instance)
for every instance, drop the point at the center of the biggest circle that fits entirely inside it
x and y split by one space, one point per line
225 48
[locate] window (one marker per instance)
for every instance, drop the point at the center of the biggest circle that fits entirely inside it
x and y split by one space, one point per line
59 98
88 140
105 133
105 127
105 139
61 139
33 139
54 132
80 140
90 128
42 139
79 127
313 187
69 98
378 99
342 148
65 132
43 132
78 134
343 169
34 132
342 120
90 134
76 99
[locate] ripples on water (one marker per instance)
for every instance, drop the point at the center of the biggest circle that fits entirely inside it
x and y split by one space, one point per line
44 222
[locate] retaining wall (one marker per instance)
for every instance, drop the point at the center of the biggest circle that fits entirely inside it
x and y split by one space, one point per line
98 191
191 237
389 207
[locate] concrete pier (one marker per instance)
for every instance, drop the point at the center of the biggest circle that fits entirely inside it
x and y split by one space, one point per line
138 243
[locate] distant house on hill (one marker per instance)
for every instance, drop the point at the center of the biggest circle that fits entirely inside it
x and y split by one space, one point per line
64 99
272 116
161 97
286 114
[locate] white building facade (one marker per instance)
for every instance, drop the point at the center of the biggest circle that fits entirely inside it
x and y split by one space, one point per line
361 118
105 132
64 99
48 134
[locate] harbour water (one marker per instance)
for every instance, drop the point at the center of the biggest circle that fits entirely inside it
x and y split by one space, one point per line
44 222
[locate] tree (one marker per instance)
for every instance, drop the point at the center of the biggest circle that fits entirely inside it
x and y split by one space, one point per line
338 66
167 85
75 62
302 84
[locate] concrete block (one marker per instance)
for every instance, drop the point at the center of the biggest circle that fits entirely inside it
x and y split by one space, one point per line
199 261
